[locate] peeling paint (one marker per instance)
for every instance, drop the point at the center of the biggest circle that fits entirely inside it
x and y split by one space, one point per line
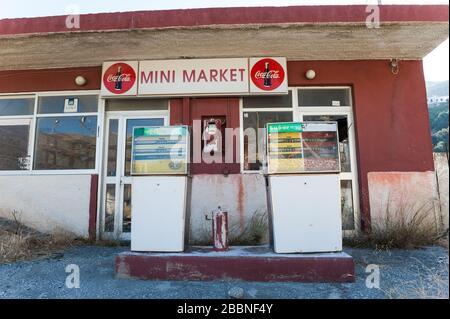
391 192
240 202
337 267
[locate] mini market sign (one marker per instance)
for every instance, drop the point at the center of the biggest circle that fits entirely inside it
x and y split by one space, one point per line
195 77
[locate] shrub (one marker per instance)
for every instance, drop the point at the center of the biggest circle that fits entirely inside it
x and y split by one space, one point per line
400 226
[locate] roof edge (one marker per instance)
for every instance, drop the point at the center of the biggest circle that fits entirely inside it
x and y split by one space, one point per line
224 16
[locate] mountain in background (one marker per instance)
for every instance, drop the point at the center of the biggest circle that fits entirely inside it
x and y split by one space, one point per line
439 88
438 115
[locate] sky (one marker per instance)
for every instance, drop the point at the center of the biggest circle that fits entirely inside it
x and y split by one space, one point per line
436 64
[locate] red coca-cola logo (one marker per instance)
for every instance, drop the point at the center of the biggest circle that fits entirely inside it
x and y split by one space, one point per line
267 74
119 78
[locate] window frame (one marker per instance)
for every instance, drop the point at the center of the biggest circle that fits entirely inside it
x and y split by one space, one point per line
242 110
33 125
347 110
22 122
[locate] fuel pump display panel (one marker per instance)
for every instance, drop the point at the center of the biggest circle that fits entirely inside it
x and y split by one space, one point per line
302 147
160 150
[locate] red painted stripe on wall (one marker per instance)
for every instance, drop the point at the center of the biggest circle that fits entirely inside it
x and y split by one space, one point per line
224 16
49 80
93 207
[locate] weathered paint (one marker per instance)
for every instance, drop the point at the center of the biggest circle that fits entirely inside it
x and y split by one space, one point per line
401 195
210 191
49 80
93 207
249 266
220 230
49 203
226 16
390 111
240 202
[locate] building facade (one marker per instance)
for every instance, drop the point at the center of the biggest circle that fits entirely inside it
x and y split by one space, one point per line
65 168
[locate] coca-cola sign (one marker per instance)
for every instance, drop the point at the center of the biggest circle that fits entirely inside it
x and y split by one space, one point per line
119 78
268 75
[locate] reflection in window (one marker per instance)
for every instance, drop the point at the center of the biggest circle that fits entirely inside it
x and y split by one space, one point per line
268 101
348 222
55 104
65 142
14 147
254 150
126 222
110 207
344 147
16 107
324 97
112 147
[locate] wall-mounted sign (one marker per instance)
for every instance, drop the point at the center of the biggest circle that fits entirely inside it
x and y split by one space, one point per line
268 75
299 147
160 150
71 105
195 77
119 78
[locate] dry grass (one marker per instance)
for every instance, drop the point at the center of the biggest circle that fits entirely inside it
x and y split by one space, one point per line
254 233
402 226
433 283
18 242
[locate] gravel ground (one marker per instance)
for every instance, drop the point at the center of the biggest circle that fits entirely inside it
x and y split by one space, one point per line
403 274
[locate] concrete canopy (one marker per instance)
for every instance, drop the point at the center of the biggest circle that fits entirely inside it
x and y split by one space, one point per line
298 33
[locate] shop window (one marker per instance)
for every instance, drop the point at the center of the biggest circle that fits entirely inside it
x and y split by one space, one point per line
68 104
110 207
136 104
67 142
19 106
278 101
112 147
347 211
254 141
14 137
344 147
126 219
348 176
320 97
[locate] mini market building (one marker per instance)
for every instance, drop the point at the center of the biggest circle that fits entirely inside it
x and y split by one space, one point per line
66 167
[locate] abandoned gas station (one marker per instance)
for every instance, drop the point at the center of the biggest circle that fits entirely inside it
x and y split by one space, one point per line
81 110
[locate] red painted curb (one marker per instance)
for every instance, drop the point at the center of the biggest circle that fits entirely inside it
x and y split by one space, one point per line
247 268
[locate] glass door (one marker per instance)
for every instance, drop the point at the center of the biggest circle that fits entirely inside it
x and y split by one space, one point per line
350 218
117 181
335 104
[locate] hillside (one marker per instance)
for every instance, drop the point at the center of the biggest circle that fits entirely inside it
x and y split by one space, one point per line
438 115
437 88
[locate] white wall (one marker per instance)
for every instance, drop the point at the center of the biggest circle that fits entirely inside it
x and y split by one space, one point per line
49 203
402 194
